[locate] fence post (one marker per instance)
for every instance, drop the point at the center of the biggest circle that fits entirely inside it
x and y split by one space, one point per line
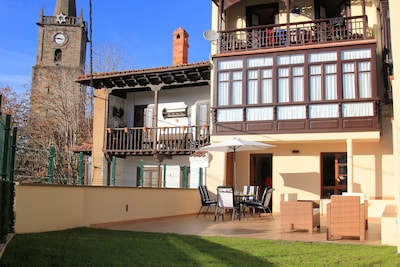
7 128
165 175
184 176
80 170
141 174
51 159
12 155
113 163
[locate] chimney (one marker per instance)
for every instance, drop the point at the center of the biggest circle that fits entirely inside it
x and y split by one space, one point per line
180 47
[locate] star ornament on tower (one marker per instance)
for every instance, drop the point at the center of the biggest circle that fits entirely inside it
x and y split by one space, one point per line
61 18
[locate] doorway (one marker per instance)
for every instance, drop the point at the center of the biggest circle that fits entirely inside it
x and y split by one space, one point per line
261 172
333 174
262 14
139 115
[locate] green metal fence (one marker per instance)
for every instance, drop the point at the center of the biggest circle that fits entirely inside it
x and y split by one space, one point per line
7 148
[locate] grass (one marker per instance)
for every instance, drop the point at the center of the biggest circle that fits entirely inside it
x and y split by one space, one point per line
99 247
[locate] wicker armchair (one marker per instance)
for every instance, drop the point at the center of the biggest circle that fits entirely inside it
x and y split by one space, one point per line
346 217
299 214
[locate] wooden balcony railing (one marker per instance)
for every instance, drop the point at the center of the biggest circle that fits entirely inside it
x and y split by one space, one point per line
162 140
294 34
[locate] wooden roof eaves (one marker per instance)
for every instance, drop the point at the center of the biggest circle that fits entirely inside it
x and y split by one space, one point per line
86 77
144 78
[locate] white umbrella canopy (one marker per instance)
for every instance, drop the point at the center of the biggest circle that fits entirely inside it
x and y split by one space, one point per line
236 144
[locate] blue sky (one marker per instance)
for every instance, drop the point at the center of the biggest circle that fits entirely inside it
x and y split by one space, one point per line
142 30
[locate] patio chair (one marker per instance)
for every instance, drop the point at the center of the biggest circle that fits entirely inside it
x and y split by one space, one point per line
250 193
298 214
263 204
206 200
346 217
226 200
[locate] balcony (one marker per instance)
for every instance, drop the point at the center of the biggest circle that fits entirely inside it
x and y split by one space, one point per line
314 32
183 140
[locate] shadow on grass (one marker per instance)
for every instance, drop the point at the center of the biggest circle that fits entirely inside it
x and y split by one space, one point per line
99 247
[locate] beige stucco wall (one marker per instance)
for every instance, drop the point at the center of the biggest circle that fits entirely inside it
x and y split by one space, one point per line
373 171
394 6
42 208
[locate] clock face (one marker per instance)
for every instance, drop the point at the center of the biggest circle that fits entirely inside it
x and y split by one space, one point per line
60 38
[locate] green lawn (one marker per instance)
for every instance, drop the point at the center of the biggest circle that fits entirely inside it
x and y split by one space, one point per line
98 247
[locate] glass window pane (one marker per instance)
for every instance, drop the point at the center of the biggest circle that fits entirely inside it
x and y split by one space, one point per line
364 80
266 91
237 93
226 115
266 86
230 64
260 62
314 70
266 73
297 59
298 89
223 76
252 96
283 60
322 57
258 114
223 93
356 54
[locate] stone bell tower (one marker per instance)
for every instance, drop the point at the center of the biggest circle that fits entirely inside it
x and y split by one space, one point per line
61 56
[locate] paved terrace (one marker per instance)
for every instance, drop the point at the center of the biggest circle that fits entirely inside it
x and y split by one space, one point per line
264 227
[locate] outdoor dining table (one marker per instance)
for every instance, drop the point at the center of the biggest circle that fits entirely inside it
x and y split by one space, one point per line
241 199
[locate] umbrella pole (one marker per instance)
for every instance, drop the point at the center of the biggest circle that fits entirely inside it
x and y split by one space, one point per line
234 168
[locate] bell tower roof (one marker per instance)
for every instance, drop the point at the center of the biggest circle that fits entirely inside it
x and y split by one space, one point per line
66 7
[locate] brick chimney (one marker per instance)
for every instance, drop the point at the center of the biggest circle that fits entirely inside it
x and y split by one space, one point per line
180 47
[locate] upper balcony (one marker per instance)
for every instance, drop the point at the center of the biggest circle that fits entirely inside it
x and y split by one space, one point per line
184 140
321 31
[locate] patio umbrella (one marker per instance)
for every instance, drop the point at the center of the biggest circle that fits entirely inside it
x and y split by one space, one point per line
236 144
